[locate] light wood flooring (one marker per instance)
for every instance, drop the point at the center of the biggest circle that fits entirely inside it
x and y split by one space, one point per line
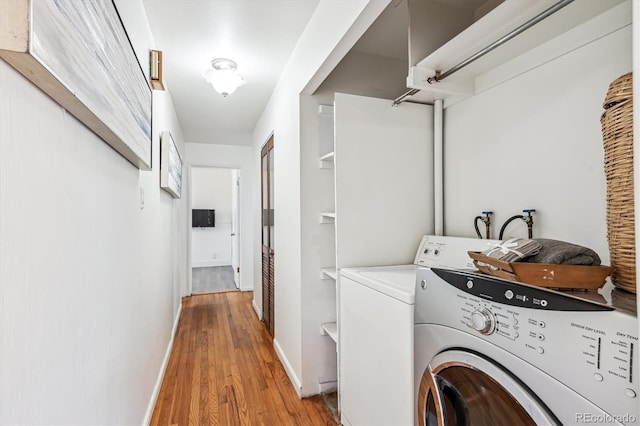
223 370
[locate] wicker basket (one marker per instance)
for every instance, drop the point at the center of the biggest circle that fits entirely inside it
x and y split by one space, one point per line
617 134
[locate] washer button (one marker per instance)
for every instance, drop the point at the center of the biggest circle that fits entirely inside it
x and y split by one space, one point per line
598 377
469 284
541 337
542 324
540 350
508 294
630 393
423 283
543 303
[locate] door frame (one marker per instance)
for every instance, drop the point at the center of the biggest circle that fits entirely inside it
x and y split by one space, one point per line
235 226
189 208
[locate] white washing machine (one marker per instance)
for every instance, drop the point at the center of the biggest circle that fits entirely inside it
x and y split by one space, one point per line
491 351
375 320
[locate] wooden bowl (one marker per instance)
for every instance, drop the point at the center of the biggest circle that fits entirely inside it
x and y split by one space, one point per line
577 277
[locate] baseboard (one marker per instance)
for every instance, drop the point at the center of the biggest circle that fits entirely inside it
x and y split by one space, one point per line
209 263
258 310
287 367
163 368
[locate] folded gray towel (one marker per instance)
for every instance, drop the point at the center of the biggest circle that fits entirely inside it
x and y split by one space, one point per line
561 252
513 250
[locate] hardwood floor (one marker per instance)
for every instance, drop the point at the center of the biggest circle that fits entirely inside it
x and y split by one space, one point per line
223 370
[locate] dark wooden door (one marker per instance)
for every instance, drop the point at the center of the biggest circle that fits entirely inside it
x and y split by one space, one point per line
268 273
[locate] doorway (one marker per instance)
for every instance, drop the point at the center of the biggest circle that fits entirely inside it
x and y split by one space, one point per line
214 200
268 253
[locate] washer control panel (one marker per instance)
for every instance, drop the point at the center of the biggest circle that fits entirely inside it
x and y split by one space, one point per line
487 318
449 252
588 346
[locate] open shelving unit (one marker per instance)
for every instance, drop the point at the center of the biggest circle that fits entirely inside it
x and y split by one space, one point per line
350 210
326 161
329 273
330 329
327 217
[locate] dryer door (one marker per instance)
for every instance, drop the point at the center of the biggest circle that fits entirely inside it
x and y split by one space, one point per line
463 388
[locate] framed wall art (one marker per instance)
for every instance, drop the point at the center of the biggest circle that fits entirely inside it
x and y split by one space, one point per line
78 52
170 166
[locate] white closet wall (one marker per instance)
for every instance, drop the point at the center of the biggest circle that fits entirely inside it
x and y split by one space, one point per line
384 180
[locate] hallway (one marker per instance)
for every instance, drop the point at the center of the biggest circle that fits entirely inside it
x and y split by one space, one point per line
223 370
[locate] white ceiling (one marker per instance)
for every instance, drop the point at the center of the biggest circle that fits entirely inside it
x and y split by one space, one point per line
258 34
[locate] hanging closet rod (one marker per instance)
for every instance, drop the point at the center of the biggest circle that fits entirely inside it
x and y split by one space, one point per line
397 101
530 23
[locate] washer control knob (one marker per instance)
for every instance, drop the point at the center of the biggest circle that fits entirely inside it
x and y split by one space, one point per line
482 320
423 283
508 294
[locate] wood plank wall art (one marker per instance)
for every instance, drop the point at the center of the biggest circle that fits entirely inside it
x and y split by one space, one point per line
79 54
170 166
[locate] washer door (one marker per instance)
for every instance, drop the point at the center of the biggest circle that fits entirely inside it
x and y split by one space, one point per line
462 388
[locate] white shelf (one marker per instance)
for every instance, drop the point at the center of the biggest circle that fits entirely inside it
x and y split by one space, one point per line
326 161
328 273
325 109
328 157
494 25
330 329
327 217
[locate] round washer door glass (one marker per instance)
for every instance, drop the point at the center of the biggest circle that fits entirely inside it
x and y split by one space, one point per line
462 388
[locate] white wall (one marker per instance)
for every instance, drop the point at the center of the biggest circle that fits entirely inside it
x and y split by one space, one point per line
90 282
211 189
535 141
241 158
331 32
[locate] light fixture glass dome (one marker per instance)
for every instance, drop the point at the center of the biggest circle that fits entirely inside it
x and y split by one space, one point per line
223 76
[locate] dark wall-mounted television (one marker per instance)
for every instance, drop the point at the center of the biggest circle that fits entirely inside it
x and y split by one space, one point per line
203 218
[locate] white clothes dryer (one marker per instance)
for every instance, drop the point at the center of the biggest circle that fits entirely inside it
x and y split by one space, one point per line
492 351
375 338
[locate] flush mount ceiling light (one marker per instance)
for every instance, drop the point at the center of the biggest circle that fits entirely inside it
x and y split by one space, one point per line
223 77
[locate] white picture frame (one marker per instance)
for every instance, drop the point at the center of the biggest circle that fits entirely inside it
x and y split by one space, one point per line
78 52
170 166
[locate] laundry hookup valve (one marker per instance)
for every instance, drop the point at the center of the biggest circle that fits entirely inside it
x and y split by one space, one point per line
528 219
486 219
